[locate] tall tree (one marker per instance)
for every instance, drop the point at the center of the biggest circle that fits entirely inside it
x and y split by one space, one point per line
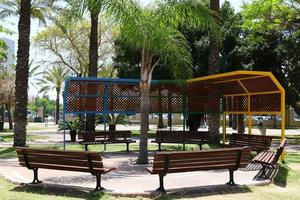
154 33
24 9
214 50
22 71
53 79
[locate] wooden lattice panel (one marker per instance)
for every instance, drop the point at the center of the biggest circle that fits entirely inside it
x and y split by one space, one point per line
266 103
235 103
263 84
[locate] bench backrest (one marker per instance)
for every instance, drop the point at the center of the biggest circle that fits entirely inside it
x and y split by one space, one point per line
182 135
104 135
279 151
86 161
255 142
229 158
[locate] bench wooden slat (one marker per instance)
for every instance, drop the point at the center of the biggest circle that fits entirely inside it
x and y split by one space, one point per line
66 167
68 162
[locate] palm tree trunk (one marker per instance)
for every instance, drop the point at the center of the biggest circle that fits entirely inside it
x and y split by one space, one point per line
240 123
93 62
146 75
22 73
214 119
57 105
9 114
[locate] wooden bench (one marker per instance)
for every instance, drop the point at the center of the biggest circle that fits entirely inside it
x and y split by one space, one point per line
269 158
35 159
175 162
105 137
257 143
183 137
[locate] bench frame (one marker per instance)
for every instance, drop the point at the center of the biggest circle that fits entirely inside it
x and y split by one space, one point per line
92 138
159 139
269 158
90 165
167 160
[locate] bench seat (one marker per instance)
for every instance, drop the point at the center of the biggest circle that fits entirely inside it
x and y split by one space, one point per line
269 158
105 137
77 161
186 161
181 137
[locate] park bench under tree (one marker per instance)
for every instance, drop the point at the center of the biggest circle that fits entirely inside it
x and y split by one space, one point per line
35 159
269 158
176 162
257 143
105 137
182 137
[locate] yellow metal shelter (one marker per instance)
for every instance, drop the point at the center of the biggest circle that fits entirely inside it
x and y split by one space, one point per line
247 92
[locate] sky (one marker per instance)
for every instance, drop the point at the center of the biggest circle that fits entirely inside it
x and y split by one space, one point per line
11 23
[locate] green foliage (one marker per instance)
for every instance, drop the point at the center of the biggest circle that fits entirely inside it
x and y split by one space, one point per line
76 124
53 79
113 119
48 105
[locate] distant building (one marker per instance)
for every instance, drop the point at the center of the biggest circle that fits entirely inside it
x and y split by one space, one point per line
10 54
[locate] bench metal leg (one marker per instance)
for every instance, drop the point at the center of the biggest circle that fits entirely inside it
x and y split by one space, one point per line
86 147
98 186
263 172
127 147
231 181
183 146
35 176
161 184
159 146
200 146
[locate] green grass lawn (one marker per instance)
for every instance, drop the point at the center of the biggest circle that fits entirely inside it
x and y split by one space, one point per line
29 138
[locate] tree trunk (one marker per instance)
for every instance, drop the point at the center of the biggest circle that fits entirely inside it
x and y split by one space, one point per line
160 115
2 113
146 76
240 123
234 121
160 121
93 62
143 153
214 119
57 105
9 114
22 71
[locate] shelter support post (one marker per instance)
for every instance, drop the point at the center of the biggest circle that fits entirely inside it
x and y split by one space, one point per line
282 121
249 116
224 128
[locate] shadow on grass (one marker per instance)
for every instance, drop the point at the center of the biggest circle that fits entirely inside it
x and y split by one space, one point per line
281 177
59 191
8 152
204 192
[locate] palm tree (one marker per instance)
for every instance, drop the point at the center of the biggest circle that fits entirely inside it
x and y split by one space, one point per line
214 48
94 7
53 80
24 9
154 33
